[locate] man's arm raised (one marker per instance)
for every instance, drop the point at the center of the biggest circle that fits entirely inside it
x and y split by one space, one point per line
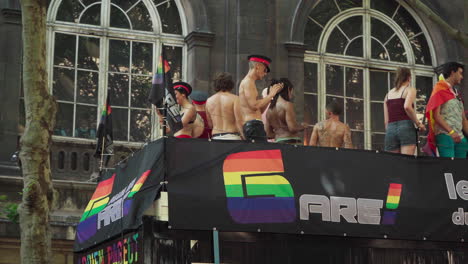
250 92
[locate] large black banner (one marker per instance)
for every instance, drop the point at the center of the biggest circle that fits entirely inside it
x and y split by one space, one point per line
233 186
121 197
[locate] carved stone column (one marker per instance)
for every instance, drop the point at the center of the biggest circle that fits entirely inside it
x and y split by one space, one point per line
296 75
199 59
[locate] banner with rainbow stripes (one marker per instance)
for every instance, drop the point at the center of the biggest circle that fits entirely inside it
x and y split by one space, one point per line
121 197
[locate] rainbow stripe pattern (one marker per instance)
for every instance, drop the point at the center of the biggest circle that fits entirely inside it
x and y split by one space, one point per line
256 190
393 201
100 199
88 222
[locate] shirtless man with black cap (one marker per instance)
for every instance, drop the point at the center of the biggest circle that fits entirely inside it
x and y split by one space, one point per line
251 108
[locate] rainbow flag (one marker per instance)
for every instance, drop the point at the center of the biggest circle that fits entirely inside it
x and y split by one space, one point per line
160 82
440 95
104 133
256 189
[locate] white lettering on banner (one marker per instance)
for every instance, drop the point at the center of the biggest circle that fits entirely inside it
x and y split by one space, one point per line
114 210
459 217
366 210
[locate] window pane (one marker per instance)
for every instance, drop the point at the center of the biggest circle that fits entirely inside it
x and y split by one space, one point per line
379 85
424 88
64 84
85 121
336 42
324 11
380 30
141 86
378 51
88 2
340 102
69 11
378 141
141 19
358 139
334 79
355 48
310 77
355 114
377 117
140 125
92 15
118 85
142 57
349 4
354 87
64 51
118 18
124 4
119 55
384 6
170 18
88 53
312 35
310 109
407 22
396 50
421 50
174 58
352 26
64 125
87 87
120 124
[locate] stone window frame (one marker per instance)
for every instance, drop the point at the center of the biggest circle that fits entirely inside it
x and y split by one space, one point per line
322 58
105 33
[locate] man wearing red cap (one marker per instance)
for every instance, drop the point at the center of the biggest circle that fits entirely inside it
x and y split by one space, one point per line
251 108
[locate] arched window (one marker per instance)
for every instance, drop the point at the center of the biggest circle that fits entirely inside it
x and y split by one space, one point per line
96 45
353 48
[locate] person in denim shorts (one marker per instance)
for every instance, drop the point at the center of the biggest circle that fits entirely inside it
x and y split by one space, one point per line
400 116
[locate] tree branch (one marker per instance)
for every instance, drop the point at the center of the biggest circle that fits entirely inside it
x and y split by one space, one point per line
451 31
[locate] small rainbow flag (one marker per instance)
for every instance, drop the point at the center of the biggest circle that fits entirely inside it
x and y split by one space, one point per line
393 198
256 190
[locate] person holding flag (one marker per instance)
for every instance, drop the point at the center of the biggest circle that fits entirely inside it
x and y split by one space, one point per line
445 112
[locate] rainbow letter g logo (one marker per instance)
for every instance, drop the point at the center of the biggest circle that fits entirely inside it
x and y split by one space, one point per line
256 190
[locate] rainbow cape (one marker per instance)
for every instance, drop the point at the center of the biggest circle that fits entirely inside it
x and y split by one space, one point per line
440 95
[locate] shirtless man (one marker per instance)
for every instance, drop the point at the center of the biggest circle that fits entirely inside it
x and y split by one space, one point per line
251 108
332 132
281 121
223 110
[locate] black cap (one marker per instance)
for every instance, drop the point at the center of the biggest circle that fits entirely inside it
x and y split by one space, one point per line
182 86
263 59
199 96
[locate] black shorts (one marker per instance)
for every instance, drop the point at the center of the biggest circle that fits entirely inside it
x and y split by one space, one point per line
254 130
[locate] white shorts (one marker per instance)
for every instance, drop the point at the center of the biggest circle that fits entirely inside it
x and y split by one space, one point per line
226 136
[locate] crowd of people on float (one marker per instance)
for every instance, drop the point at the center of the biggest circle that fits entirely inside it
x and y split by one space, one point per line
271 117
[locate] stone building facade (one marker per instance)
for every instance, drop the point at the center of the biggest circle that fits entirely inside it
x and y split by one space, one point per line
341 50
